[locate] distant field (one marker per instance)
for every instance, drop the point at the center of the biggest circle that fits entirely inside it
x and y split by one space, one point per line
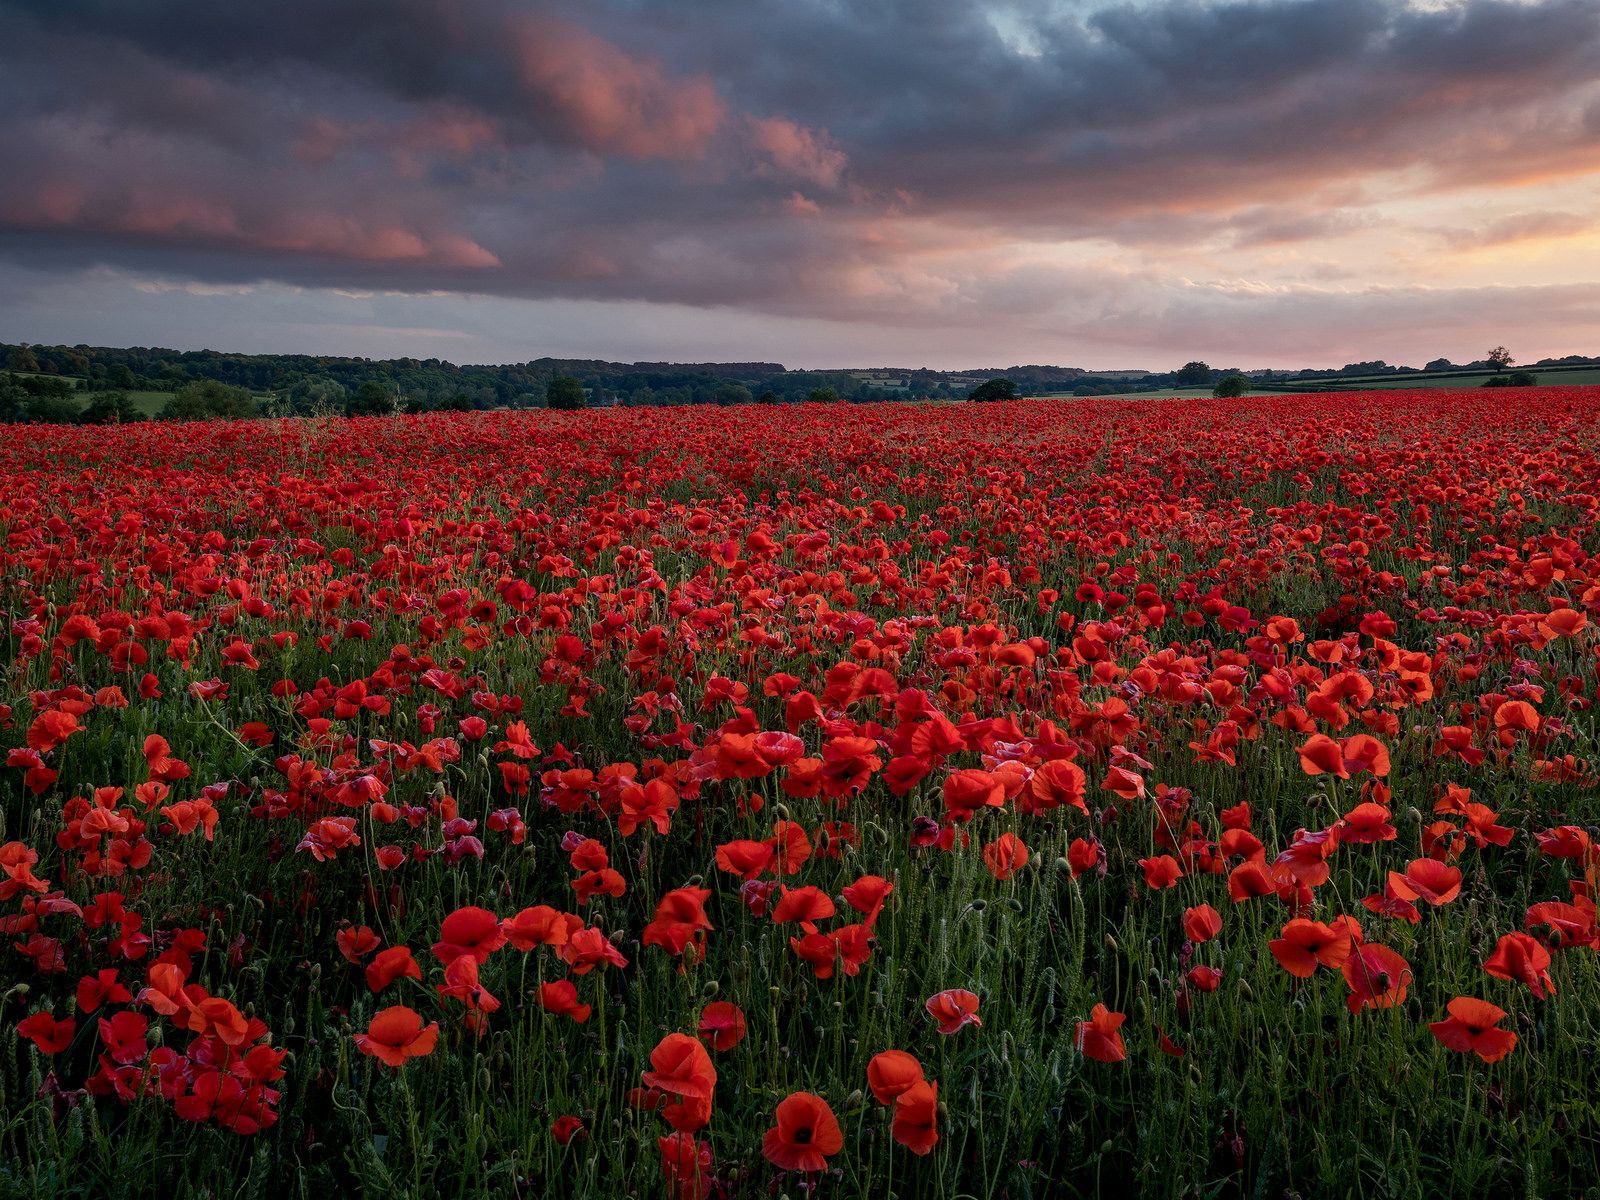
1546 378
1164 394
1373 383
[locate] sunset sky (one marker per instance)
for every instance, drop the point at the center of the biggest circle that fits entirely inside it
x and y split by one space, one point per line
816 182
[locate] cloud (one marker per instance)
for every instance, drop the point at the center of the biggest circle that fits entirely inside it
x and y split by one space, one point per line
1521 227
927 164
798 152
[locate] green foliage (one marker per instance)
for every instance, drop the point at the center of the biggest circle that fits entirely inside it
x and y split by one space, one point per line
1515 379
207 399
822 395
372 399
110 408
565 394
994 389
22 358
1231 387
1194 374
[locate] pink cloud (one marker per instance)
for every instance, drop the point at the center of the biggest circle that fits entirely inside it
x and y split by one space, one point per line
612 102
162 215
794 150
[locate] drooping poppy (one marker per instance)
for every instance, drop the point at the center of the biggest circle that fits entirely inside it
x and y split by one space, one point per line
1522 959
954 1010
680 1065
916 1117
1100 1038
891 1072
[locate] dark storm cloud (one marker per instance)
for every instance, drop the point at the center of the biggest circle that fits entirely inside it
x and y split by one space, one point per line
795 156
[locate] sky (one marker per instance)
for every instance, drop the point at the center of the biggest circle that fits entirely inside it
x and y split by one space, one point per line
941 183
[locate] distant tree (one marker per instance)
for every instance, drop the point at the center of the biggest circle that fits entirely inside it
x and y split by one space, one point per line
317 396
13 398
50 410
767 397
994 389
1440 364
1515 379
120 375
1499 358
22 358
731 393
566 394
822 395
371 399
206 399
1231 387
1194 374
110 408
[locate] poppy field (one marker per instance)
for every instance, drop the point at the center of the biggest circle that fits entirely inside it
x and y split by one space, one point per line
1020 800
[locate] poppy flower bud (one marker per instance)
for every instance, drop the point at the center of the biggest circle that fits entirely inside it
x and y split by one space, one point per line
711 988
1245 993
1111 945
978 906
1014 904
781 811
1413 816
854 1100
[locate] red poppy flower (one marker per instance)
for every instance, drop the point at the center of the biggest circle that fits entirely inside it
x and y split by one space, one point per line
916 1117
1202 923
397 1034
1426 879
805 1135
1378 977
394 963
1524 960
891 1072
47 1033
1005 856
1471 1028
954 1010
1162 871
722 1024
561 998
680 1065
1100 1038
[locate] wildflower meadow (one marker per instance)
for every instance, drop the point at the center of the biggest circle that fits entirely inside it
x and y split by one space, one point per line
1046 798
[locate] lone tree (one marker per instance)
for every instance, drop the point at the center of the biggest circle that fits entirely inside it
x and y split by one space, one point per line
822 395
1231 387
371 399
994 389
565 393
205 399
1499 358
1194 374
